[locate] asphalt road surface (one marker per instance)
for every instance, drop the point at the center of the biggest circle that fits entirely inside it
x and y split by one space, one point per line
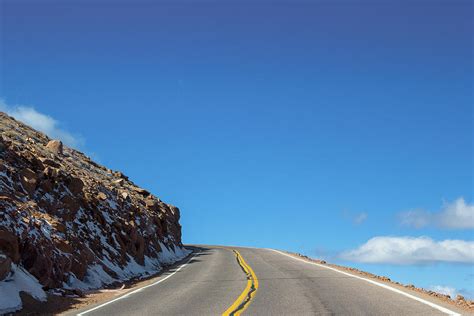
233 280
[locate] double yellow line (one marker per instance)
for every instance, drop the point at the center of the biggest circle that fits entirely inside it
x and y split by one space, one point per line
243 301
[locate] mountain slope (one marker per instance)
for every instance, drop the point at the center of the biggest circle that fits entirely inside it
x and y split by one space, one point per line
70 224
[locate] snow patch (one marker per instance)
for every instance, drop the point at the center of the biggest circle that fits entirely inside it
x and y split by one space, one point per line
168 256
97 277
112 204
19 280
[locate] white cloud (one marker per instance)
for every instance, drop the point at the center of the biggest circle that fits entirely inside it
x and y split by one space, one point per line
411 250
355 218
455 215
447 290
41 122
416 218
359 218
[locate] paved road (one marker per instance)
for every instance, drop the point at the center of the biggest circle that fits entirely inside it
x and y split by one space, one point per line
214 279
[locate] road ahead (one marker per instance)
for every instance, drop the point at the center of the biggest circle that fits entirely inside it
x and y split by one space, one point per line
219 280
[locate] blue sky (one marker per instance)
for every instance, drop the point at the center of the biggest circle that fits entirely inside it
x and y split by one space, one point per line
305 126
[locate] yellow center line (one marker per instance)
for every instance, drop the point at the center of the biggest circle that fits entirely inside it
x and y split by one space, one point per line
243 301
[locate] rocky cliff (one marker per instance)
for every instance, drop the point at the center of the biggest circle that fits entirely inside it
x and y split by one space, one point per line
68 223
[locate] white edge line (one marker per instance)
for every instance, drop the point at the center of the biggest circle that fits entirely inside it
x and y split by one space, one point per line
385 286
139 289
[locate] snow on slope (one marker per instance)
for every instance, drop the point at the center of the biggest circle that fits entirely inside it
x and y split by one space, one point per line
96 277
19 280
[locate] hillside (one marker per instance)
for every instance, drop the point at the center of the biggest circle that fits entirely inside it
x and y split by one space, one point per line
68 224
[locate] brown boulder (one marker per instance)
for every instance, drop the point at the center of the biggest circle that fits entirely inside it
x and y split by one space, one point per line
120 175
75 185
9 245
72 205
46 185
119 181
125 195
151 204
64 246
51 172
140 249
5 266
38 261
102 196
460 298
55 146
28 180
141 191
50 162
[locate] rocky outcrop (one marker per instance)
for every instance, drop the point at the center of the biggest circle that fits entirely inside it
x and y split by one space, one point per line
67 220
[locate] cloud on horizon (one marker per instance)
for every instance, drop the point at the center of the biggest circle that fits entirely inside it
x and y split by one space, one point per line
455 215
411 250
41 122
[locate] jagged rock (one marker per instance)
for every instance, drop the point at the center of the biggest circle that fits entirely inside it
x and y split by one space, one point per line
125 195
102 196
71 205
55 146
460 298
28 180
75 185
5 266
120 175
141 191
9 245
46 185
51 172
119 181
49 162
151 204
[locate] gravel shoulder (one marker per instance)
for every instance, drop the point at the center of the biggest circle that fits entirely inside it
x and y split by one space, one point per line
458 304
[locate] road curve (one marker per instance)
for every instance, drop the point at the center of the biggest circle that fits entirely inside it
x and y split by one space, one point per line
212 282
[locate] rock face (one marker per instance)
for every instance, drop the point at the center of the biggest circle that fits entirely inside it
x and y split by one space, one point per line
69 221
